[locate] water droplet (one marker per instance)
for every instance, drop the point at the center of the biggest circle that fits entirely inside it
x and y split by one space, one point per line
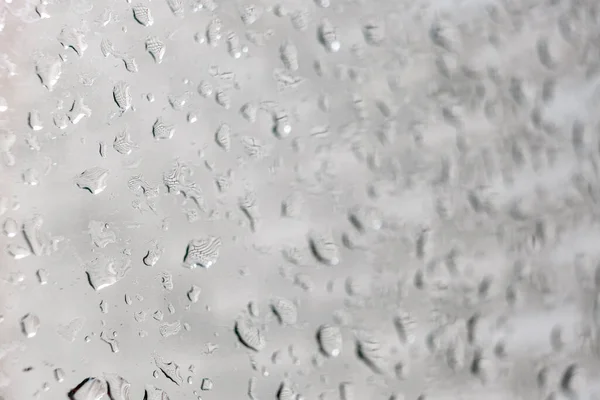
250 13
286 391
285 311
153 255
104 272
213 32
93 180
118 387
31 176
169 369
192 117
223 136
130 63
206 384
300 19
112 342
107 48
249 334
328 36
30 324
156 48
79 110
292 205
330 340
89 389
167 280
347 391
369 351
59 375
223 99
374 32
203 252
35 121
205 89
142 14
154 393
194 293
42 276
249 112
176 7
169 329
162 131
10 227
234 47
289 55
177 102
122 96
282 127
324 249
72 38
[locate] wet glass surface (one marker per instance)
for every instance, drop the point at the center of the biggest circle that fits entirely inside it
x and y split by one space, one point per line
297 200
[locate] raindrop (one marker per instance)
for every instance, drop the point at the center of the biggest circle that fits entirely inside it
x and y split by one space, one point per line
59 375
223 136
205 89
249 334
289 55
328 36
89 389
206 384
35 121
374 33
285 311
154 393
176 7
203 252
169 369
30 324
73 38
153 255
123 144
156 48
169 329
142 14
130 63
161 130
118 387
347 391
107 48
122 96
79 110
49 71
249 112
330 340
104 272
42 276
93 180
213 32
10 227
324 249
223 99
194 293
234 47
